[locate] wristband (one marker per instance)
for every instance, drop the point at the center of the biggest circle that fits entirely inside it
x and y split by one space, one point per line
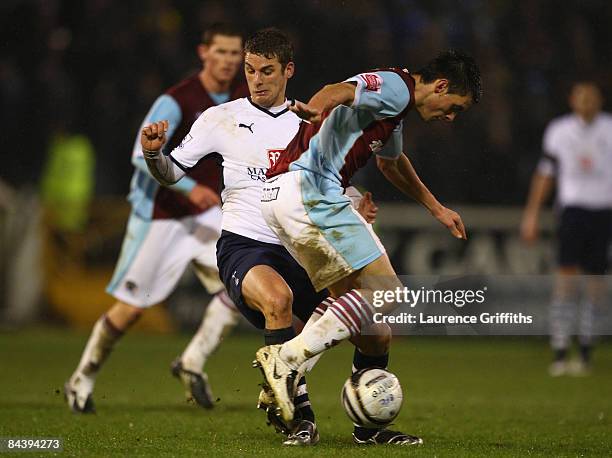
150 153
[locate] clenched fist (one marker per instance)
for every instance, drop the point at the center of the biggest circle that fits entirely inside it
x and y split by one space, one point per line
153 136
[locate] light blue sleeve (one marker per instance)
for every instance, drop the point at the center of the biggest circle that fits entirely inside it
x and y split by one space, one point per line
394 146
384 94
165 107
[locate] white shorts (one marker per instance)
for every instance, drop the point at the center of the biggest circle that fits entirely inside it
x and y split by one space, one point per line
155 254
318 225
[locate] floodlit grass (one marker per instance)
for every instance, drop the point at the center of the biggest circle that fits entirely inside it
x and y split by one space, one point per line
464 396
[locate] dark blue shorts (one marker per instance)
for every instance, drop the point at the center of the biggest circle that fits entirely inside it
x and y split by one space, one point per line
584 239
236 255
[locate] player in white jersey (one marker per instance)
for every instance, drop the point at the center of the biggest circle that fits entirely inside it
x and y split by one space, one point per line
186 217
266 284
303 205
578 157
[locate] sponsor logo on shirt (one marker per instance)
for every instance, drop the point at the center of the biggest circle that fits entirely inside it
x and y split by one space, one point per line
273 155
373 81
257 173
269 194
247 126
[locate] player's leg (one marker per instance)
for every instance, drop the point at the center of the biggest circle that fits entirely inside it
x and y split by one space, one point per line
565 297
331 241
347 315
562 316
305 430
265 290
147 271
106 332
594 263
372 351
253 273
593 299
220 315
343 319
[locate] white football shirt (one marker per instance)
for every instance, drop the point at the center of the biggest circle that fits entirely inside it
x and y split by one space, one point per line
249 140
580 155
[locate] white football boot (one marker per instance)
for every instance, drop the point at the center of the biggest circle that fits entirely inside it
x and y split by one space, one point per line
78 393
279 377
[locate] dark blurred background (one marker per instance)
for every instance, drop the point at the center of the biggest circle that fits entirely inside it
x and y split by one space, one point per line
95 67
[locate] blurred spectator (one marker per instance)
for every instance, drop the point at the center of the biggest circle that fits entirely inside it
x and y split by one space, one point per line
68 181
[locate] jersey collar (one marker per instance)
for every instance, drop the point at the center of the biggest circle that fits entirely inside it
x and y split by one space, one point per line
266 111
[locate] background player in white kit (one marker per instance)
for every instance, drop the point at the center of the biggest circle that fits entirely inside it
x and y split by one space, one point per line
186 217
578 156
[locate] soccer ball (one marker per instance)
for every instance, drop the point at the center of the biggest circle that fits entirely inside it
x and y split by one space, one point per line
372 397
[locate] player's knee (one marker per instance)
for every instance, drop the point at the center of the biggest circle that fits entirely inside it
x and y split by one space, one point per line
381 338
277 305
375 340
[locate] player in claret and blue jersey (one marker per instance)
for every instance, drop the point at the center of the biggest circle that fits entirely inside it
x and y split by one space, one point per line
185 217
303 204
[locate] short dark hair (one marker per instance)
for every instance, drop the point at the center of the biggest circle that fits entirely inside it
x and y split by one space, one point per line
271 42
220 28
459 68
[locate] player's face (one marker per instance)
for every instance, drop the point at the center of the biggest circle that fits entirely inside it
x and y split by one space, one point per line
586 100
267 79
441 105
222 58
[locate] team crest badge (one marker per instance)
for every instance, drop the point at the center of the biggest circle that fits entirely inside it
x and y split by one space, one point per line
273 155
373 81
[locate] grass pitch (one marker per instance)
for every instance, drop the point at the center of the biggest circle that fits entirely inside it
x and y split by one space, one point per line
464 396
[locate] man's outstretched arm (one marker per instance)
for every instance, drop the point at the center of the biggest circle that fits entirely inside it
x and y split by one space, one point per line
403 176
383 93
162 168
325 100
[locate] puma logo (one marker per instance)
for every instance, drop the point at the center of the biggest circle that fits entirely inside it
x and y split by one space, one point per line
247 127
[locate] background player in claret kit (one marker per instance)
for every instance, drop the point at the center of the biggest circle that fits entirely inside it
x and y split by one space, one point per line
262 278
578 155
352 119
185 217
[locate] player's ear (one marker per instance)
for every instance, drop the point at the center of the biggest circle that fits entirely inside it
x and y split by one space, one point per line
203 52
289 70
441 86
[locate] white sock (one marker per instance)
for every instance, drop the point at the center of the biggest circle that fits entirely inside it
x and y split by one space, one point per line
100 344
343 319
562 316
220 317
316 314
